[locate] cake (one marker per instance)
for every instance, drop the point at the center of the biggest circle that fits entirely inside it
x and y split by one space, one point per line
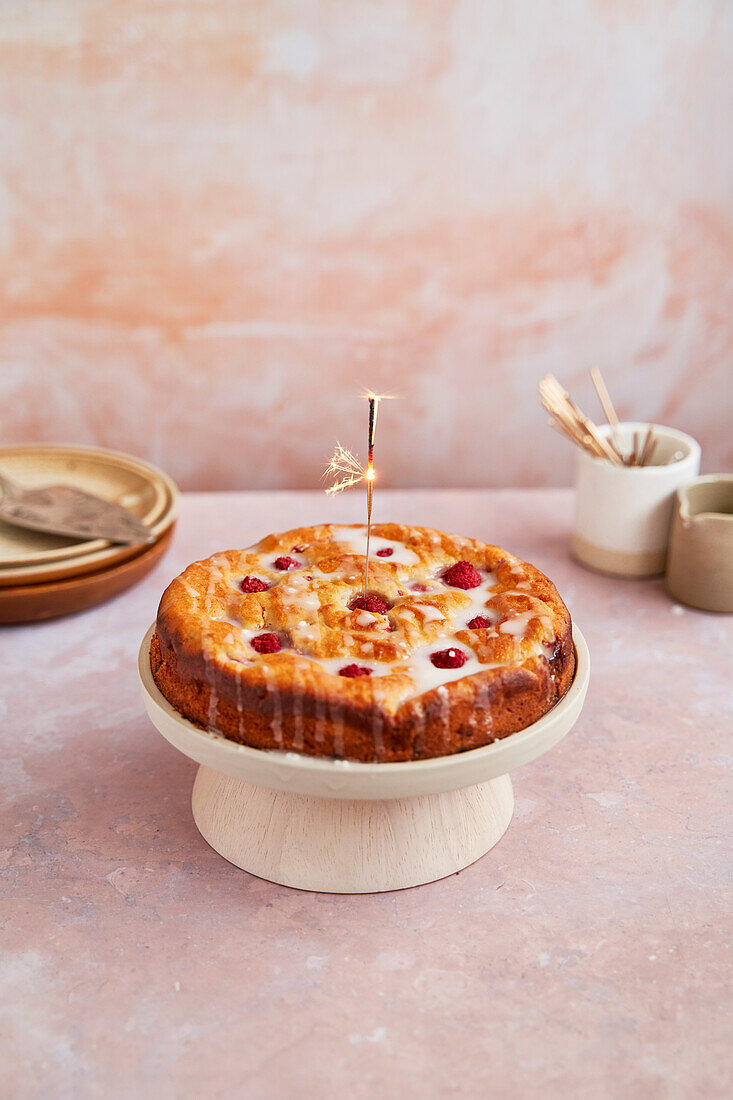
455 644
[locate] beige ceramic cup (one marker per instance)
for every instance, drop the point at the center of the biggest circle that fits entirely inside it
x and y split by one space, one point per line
700 560
623 513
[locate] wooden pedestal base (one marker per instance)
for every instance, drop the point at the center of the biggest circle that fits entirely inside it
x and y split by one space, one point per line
349 846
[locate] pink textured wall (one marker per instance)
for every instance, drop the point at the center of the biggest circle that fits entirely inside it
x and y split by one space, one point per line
219 220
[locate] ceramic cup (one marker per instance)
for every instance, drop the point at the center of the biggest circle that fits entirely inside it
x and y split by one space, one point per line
700 559
623 513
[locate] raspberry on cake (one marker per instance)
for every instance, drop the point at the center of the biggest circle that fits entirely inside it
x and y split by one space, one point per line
462 575
354 671
315 665
266 643
253 584
449 658
375 604
480 622
286 562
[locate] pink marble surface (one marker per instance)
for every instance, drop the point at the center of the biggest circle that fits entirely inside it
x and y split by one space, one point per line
220 216
584 956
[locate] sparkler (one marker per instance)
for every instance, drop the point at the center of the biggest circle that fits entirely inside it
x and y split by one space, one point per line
346 470
370 475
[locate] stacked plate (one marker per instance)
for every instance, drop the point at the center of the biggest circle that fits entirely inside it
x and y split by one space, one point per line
43 576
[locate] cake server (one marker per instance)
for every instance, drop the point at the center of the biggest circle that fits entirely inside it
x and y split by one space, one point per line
64 510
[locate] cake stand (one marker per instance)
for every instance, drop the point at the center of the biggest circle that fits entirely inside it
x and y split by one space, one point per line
343 827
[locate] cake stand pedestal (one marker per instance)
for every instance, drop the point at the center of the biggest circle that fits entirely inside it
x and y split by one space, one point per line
342 845
342 827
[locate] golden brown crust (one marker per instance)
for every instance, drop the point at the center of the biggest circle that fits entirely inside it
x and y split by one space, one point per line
294 700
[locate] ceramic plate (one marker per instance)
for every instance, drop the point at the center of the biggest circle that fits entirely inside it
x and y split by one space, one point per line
117 477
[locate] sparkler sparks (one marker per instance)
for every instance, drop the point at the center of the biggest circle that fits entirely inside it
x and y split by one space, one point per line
346 469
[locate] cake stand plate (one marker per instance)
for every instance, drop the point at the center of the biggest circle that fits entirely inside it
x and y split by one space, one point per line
342 827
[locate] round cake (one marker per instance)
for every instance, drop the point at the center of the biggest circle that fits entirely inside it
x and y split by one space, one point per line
455 644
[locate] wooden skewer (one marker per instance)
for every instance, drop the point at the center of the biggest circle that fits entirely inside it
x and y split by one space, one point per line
564 421
602 446
634 454
570 423
557 402
557 426
607 405
616 451
570 428
583 441
646 447
602 443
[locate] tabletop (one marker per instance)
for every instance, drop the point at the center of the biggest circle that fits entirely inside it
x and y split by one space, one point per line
585 955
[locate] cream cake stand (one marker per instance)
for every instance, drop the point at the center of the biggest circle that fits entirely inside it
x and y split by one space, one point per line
341 827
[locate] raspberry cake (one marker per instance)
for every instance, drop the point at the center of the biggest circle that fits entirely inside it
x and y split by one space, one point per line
455 645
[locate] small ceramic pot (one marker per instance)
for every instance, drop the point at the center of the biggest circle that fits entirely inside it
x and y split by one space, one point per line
700 560
623 513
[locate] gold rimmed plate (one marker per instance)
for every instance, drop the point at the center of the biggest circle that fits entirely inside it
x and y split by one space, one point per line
30 557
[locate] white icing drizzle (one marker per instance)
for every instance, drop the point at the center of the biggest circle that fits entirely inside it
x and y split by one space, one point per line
304 633
428 612
517 624
303 603
443 695
267 562
246 654
333 665
297 595
366 619
482 706
515 567
418 666
356 539
476 605
425 676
